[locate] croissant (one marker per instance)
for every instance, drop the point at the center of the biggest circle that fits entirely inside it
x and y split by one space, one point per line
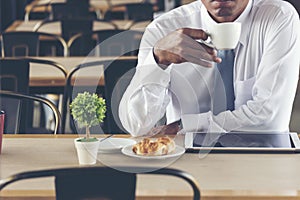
159 146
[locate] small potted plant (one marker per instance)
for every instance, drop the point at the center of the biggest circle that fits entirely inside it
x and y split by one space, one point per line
88 110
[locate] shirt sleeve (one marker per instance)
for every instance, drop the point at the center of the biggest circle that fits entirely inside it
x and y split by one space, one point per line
146 98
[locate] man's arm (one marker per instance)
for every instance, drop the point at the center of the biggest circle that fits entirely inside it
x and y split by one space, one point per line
147 96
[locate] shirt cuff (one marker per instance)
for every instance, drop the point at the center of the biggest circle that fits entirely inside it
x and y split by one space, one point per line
195 122
201 122
155 74
213 126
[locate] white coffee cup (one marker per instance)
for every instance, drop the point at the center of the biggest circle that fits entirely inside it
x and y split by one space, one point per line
225 35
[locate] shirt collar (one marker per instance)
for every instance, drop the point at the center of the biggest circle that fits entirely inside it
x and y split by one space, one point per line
207 20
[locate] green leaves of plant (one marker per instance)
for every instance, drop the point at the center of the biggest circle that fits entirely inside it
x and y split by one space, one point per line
88 109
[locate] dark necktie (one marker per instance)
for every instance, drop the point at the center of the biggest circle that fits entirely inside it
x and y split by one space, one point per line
223 98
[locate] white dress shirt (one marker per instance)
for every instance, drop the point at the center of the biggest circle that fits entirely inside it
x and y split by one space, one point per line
265 74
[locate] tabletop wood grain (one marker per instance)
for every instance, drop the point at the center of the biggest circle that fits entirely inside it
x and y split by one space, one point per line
221 176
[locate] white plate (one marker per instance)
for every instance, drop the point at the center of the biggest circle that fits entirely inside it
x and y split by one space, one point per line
179 150
112 145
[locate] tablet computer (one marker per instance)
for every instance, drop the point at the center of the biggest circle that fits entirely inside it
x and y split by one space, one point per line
242 142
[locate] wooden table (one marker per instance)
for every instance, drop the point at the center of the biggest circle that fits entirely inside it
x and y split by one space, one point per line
55 28
102 6
221 176
45 77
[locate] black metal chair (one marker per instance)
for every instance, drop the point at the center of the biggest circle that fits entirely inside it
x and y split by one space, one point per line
100 182
28 43
38 91
53 64
14 73
71 10
29 12
117 75
106 43
14 76
8 97
132 11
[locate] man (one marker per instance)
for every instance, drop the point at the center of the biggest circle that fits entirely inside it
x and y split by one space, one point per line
176 73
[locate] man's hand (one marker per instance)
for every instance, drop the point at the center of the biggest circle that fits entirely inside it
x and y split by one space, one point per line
181 46
170 129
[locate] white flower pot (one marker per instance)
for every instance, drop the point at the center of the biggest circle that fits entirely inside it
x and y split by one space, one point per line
86 151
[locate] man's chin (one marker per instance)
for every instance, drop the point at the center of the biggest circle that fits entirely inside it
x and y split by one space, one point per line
224 12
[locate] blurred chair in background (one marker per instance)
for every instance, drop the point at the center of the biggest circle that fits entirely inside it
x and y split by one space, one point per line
31 11
71 10
20 118
24 43
27 43
117 75
71 27
106 43
14 76
101 182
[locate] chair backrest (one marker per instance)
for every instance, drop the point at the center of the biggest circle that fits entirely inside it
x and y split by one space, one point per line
71 10
27 43
49 63
71 27
106 43
117 75
99 182
29 14
14 76
139 11
132 11
22 100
